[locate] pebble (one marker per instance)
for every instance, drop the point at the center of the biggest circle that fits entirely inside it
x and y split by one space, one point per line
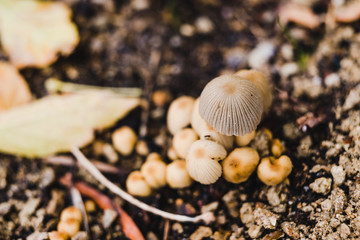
231 202
321 185
246 214
140 4
38 236
204 25
110 153
47 177
255 231
272 196
288 69
235 58
265 218
332 80
56 202
290 229
200 233
177 227
261 54
352 99
81 235
187 30
28 209
109 217
338 174
5 208
210 207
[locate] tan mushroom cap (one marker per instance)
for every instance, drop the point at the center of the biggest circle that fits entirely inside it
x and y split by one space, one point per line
154 172
261 82
179 113
182 141
231 104
202 161
177 175
273 171
136 185
240 164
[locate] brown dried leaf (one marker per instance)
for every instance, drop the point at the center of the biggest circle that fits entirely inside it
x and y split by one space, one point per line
14 90
34 32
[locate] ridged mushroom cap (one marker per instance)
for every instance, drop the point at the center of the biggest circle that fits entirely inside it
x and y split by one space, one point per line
231 104
202 161
205 131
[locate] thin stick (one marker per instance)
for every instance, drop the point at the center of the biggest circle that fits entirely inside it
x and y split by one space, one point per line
206 217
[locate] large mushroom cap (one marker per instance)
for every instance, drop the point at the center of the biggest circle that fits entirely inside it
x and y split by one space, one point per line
231 104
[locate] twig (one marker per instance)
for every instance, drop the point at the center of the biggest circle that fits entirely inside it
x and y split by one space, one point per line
166 229
79 204
206 217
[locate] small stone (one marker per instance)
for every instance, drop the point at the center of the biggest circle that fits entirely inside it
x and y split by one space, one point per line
255 231
338 174
210 207
288 69
110 153
321 185
204 25
177 227
38 236
187 30
108 217
82 235
151 236
140 4
200 233
5 208
273 196
246 213
28 209
352 99
290 229
332 80
265 218
261 54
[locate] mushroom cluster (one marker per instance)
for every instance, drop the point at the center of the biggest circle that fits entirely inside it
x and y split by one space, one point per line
224 120
211 138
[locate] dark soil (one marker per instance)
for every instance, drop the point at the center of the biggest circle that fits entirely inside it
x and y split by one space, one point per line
122 46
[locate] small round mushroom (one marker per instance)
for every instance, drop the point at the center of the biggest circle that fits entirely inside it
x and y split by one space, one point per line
179 113
71 213
231 104
153 156
154 172
177 176
244 140
273 171
277 148
136 185
206 132
124 140
142 148
240 164
262 83
55 235
69 227
202 161
182 141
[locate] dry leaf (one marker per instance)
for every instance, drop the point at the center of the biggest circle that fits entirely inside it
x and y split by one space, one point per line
57 123
34 32
14 90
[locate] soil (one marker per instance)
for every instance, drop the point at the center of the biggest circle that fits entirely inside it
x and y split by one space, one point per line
177 47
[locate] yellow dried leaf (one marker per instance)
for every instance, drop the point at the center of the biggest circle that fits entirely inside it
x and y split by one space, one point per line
34 32
14 90
57 123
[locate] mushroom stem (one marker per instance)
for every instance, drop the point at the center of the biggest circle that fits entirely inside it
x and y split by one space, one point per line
207 217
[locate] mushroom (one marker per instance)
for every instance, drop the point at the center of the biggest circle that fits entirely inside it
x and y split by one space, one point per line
179 113
177 176
277 148
205 131
124 140
231 104
71 212
262 84
69 227
154 171
245 139
239 164
202 161
136 184
182 141
273 171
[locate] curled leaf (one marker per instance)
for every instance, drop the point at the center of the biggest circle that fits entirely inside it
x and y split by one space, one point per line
34 32
57 123
14 90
